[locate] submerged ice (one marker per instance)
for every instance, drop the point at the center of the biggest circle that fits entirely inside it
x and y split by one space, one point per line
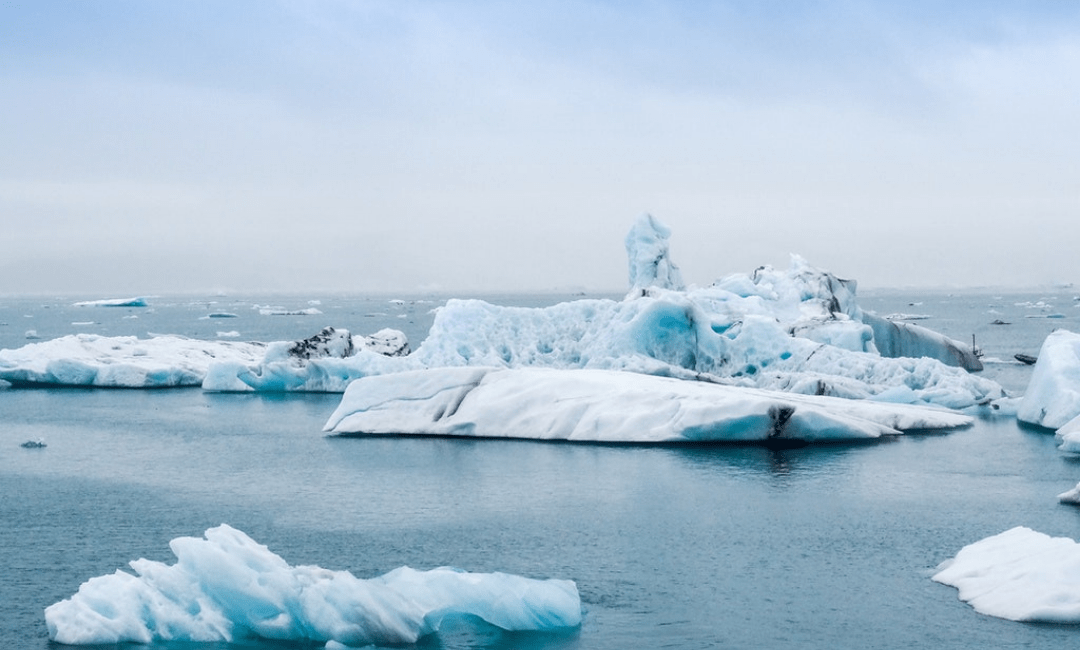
227 587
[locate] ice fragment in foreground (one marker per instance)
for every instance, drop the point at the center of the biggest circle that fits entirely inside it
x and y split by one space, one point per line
1021 575
228 587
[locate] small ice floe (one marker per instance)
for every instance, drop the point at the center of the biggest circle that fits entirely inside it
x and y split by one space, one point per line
1071 497
32 335
33 444
998 321
83 323
219 314
902 316
231 334
314 302
113 302
1020 575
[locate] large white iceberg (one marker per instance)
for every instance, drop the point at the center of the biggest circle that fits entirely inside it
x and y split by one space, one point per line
1052 398
798 331
1020 575
610 406
227 587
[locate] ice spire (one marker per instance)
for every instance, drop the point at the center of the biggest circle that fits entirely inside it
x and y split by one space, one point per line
647 249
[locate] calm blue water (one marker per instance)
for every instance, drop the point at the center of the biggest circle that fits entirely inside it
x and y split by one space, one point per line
699 547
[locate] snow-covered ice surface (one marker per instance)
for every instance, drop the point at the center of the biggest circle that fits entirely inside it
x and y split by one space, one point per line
227 587
1020 575
121 361
1052 398
610 406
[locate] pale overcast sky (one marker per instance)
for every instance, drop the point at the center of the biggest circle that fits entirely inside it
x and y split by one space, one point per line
153 147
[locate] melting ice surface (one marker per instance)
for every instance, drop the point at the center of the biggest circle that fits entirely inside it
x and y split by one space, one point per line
227 587
1020 575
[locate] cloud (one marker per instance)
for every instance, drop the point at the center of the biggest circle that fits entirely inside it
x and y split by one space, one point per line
508 146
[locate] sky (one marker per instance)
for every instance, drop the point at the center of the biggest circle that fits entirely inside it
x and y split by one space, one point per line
459 146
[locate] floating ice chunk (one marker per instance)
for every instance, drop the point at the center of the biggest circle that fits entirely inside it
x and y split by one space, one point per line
121 362
610 406
1071 496
1069 434
650 262
1020 575
227 587
895 340
113 302
1052 398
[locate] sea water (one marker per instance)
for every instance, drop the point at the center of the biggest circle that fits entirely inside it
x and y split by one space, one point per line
684 547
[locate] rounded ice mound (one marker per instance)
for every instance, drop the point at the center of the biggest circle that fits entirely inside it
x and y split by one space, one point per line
1052 398
227 587
1020 575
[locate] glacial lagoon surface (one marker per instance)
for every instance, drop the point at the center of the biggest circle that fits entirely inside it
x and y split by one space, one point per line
670 546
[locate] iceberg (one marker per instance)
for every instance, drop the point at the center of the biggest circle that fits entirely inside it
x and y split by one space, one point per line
798 331
650 262
1020 575
1052 398
227 587
121 361
112 302
611 406
168 361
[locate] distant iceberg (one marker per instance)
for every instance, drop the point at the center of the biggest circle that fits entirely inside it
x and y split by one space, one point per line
611 406
163 361
227 587
1020 575
113 302
121 361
